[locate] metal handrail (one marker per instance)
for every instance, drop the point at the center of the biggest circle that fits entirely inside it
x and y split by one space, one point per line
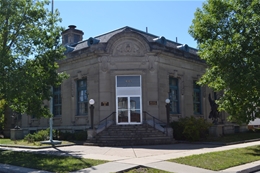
155 119
105 119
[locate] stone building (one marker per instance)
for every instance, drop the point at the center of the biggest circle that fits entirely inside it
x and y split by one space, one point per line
129 74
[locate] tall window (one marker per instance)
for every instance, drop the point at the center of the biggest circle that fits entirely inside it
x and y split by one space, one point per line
57 101
173 95
82 97
196 98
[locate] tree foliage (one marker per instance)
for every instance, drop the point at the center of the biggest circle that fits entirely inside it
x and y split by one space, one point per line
2 117
29 51
227 33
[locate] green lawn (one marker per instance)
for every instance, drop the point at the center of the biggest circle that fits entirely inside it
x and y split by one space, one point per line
222 160
46 162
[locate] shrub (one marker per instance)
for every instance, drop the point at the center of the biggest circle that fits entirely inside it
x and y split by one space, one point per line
29 138
178 129
77 135
190 128
37 136
41 135
66 135
57 134
81 135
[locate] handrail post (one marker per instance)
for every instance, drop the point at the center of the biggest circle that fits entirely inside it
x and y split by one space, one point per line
114 117
153 123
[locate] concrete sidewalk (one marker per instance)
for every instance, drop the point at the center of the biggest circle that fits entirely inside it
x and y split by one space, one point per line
155 156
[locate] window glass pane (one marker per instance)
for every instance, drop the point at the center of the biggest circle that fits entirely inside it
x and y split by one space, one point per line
82 84
173 95
173 81
174 106
135 116
57 101
122 103
82 97
197 108
57 110
128 81
135 103
83 108
122 115
196 98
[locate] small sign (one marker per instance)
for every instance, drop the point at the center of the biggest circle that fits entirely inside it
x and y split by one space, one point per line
153 103
104 103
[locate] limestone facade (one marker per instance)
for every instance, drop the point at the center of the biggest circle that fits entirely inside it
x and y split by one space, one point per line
99 61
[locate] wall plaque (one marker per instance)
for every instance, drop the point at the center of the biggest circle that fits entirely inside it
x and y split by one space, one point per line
104 103
152 103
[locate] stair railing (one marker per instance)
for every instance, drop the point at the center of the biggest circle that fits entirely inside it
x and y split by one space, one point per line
155 123
106 122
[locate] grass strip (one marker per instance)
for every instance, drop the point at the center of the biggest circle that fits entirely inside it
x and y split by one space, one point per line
25 143
51 163
144 169
221 160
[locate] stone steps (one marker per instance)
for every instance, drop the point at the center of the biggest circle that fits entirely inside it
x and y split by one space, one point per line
128 135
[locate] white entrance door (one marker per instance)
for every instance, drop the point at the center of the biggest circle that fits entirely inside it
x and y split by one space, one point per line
128 100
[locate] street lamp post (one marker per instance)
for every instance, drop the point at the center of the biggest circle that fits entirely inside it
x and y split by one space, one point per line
167 101
92 102
51 141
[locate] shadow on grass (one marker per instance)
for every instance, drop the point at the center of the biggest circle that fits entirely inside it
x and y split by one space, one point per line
51 163
254 151
75 156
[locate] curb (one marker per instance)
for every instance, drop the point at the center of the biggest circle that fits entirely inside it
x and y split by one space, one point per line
250 170
32 147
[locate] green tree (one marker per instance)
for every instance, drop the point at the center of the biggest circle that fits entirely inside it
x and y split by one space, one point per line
227 33
2 117
29 50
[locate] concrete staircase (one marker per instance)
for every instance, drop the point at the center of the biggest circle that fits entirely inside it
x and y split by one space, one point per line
129 135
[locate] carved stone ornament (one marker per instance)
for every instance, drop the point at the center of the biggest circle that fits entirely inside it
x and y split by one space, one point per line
128 48
104 63
144 61
151 63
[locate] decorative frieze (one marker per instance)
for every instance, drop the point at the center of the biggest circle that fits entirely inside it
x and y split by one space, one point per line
128 48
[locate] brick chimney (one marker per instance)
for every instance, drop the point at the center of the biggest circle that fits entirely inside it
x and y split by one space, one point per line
71 35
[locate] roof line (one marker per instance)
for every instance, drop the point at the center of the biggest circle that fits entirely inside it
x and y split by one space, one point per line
143 32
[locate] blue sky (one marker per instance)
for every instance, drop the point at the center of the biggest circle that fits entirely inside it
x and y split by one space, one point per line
170 19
